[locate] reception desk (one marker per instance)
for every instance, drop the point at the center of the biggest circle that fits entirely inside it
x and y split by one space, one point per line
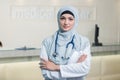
15 55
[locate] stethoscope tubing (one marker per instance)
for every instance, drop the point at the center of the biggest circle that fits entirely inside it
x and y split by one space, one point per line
71 42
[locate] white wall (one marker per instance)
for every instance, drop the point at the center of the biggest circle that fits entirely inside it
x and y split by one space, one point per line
118 21
17 31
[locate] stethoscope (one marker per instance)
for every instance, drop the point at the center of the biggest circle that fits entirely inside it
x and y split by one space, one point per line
71 42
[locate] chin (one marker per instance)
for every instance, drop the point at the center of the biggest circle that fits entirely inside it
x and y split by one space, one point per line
65 30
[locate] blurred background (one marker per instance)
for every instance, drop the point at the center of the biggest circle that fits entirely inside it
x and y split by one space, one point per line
28 22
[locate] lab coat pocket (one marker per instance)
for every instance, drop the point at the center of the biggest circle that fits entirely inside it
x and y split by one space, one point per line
75 56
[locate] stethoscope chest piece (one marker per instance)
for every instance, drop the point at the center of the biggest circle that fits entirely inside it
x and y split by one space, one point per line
65 58
54 55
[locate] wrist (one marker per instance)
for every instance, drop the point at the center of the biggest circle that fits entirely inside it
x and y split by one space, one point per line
57 67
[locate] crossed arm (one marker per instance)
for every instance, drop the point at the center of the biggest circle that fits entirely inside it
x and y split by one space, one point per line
49 65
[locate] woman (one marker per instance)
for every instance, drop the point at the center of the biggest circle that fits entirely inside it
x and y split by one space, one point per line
65 55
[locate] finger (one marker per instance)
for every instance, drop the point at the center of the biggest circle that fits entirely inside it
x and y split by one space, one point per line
43 67
42 59
42 63
82 58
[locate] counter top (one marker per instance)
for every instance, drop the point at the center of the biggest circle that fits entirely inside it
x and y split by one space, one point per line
4 53
106 48
19 53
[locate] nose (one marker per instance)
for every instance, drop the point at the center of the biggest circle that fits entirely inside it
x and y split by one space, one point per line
66 21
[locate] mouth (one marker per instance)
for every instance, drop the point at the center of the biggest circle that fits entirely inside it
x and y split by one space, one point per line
65 27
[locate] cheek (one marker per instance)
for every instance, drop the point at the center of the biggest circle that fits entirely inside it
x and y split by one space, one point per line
72 23
61 22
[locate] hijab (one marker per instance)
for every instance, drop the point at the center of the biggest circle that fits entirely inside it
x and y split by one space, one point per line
61 50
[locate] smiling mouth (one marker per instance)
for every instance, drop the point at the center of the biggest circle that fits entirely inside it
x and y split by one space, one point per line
66 27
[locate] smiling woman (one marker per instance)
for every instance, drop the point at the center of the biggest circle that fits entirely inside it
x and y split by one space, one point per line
58 52
66 21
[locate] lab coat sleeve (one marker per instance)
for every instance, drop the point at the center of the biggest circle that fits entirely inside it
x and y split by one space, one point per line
43 55
77 69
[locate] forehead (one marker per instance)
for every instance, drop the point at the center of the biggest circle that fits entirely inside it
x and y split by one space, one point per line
67 15
67 12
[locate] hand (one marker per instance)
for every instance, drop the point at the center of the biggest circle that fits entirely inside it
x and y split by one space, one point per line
82 58
49 65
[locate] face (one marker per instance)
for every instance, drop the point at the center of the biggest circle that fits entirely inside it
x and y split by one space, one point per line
66 22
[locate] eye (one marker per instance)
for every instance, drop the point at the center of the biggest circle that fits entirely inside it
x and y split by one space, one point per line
62 18
71 19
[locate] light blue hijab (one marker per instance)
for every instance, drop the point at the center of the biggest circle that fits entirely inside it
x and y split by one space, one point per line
63 53
71 9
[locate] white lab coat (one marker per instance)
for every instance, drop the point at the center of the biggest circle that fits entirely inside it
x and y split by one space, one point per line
71 71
